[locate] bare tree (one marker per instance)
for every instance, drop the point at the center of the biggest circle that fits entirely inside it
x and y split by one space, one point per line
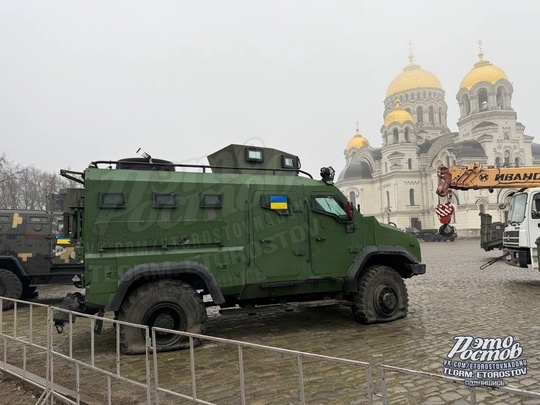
27 187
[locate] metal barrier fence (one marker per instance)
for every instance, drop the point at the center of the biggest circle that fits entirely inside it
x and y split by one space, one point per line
76 367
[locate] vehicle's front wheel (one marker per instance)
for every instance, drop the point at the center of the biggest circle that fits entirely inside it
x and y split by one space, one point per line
381 297
10 287
168 304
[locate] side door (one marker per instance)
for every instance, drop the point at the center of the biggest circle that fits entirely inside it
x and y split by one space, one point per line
534 228
333 239
279 242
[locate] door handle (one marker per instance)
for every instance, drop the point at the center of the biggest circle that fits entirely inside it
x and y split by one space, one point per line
320 239
265 241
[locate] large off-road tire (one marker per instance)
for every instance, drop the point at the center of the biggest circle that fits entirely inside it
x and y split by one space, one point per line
169 304
381 297
10 287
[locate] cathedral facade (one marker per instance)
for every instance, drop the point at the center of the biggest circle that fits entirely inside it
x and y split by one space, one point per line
397 182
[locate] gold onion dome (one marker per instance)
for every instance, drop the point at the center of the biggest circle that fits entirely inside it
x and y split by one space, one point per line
483 71
357 142
413 77
398 115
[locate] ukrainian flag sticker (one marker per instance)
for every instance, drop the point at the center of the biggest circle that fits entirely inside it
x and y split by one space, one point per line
278 202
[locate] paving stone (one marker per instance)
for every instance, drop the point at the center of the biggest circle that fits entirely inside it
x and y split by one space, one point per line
453 298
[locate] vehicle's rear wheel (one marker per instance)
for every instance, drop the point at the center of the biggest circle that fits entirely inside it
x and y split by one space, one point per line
168 304
382 296
10 287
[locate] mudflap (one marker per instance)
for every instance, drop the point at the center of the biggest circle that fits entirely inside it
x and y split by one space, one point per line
71 302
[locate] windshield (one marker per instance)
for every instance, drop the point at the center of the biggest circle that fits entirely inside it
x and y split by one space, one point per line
517 208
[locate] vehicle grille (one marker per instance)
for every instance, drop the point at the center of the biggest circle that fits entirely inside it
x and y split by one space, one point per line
511 238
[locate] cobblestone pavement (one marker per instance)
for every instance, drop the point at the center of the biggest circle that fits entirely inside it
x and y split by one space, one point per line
453 298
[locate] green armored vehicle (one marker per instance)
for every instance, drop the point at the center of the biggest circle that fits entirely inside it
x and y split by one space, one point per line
33 252
249 231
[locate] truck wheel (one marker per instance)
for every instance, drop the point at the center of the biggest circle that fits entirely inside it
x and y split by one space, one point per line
10 287
169 304
382 296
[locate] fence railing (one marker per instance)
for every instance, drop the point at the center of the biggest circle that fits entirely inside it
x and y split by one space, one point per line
78 367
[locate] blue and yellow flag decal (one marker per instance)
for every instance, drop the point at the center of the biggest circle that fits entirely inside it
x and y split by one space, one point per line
278 202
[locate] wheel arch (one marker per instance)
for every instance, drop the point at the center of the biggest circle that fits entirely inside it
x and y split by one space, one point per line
195 274
395 257
12 264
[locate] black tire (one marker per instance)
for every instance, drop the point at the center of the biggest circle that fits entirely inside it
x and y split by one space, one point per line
382 296
10 287
28 292
170 304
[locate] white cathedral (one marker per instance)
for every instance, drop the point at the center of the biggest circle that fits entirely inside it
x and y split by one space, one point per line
397 182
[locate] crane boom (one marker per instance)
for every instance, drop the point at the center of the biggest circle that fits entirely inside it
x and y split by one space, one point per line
475 176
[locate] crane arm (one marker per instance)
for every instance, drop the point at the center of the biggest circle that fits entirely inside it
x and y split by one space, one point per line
475 176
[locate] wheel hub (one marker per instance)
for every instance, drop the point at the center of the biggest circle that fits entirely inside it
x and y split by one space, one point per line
389 300
165 321
386 301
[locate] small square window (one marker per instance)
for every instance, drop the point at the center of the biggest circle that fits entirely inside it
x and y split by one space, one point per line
112 200
38 220
165 200
212 201
254 155
289 162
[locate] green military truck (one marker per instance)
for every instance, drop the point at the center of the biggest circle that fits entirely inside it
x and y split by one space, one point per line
33 252
247 232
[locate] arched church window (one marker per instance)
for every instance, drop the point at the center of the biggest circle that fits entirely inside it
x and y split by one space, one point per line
482 100
407 135
482 209
388 199
507 158
409 164
516 162
466 104
411 197
396 135
431 116
497 162
440 115
500 98
352 198
419 115
386 167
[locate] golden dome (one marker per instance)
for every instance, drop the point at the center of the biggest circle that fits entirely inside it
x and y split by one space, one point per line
357 142
483 71
413 77
398 115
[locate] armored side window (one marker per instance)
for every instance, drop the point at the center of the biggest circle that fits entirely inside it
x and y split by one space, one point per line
330 205
278 203
37 220
289 162
254 154
4 219
212 201
165 200
112 200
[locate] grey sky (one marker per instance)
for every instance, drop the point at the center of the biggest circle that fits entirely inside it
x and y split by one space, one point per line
96 80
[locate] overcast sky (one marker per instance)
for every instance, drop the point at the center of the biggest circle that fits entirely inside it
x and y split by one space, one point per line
96 80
